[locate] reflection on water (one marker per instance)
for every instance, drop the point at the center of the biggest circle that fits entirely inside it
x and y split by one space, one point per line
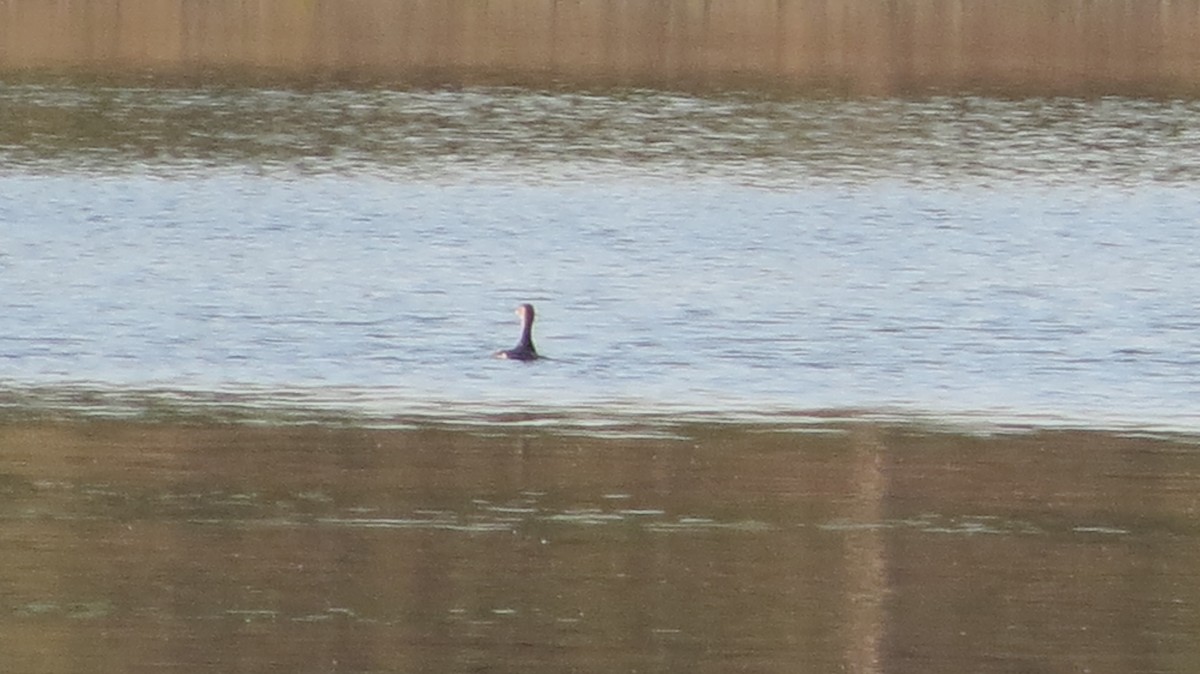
361 250
249 420
548 135
867 547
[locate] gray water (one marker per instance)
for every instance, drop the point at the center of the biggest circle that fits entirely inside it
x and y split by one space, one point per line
363 250
760 316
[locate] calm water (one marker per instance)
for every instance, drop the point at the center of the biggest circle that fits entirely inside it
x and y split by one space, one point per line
1027 259
861 548
249 420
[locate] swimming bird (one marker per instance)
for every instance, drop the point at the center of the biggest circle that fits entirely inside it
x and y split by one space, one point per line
524 349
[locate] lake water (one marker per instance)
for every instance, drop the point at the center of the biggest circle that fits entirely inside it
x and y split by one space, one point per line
833 385
735 255
144 547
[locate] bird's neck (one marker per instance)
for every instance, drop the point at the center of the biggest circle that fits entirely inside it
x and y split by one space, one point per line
526 334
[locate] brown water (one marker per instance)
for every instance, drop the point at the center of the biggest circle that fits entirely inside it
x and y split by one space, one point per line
816 547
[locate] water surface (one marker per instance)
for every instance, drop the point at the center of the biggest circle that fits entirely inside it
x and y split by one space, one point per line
834 385
861 547
733 254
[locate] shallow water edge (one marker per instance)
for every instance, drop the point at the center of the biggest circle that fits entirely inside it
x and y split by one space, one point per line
373 409
132 546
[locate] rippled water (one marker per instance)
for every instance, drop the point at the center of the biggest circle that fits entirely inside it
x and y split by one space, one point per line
363 250
760 316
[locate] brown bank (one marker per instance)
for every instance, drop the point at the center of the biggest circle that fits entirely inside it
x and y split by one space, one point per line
851 46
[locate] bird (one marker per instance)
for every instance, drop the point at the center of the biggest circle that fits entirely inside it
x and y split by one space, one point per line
524 349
